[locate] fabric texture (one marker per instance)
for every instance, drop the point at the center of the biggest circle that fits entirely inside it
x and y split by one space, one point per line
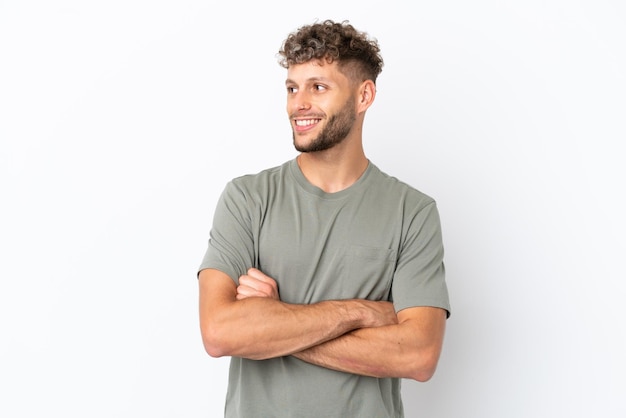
379 239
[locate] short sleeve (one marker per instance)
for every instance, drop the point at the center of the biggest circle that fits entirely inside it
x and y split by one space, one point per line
231 245
419 279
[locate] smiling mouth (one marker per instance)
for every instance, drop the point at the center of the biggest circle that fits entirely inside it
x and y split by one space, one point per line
306 122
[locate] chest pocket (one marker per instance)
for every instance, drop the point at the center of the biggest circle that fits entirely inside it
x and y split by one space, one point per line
370 271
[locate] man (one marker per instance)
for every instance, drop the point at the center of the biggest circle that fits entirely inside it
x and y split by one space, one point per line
324 277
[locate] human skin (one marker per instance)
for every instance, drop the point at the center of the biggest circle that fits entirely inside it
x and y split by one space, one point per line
264 327
356 336
316 92
408 348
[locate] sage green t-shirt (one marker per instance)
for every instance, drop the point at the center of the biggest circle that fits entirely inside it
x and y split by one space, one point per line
379 239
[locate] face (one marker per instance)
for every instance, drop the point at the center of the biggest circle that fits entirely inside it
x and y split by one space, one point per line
321 106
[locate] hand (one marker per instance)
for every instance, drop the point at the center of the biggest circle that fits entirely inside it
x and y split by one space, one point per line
381 313
257 284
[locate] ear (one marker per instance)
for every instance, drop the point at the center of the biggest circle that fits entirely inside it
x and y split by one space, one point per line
367 93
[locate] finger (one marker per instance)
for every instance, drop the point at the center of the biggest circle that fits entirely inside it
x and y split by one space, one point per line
253 282
259 275
244 291
253 287
265 285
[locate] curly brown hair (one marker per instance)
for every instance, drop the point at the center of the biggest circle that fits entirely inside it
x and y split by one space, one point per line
330 41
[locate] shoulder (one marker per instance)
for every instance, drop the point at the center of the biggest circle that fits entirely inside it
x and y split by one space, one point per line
397 190
257 189
260 181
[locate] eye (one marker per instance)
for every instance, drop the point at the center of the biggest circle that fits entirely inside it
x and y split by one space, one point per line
319 87
291 90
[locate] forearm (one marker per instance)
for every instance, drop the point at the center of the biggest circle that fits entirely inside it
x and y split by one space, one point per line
260 328
264 327
365 352
403 350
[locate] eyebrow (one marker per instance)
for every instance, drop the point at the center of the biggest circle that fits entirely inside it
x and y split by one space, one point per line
311 80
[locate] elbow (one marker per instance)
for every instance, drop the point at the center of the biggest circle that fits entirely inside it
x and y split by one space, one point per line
217 344
213 350
423 368
214 340
219 340
423 375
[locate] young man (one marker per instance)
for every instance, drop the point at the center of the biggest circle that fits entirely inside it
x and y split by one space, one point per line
324 277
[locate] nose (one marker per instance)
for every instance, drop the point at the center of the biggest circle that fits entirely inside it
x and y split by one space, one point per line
299 101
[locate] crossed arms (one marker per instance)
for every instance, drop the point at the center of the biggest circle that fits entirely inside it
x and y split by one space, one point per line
355 335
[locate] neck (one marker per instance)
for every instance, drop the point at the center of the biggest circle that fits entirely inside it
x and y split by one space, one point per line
333 170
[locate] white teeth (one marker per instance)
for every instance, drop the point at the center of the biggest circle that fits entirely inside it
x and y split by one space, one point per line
306 122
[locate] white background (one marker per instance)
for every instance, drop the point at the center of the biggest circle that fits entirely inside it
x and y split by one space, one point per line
121 122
